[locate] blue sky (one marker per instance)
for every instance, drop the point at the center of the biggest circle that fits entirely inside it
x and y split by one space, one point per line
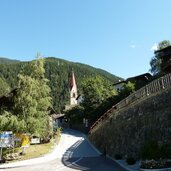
115 35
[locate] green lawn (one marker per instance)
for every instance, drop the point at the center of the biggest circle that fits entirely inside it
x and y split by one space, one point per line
37 150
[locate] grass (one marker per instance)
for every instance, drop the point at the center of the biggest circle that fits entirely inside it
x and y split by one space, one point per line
37 150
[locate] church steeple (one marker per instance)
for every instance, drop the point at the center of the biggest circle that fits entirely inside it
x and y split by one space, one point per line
73 90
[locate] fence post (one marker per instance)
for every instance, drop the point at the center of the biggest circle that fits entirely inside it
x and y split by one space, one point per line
146 89
126 101
162 83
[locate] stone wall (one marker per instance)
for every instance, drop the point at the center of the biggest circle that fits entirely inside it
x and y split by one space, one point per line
126 130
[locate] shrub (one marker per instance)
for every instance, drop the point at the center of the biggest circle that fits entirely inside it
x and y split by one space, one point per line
130 160
151 150
165 151
118 157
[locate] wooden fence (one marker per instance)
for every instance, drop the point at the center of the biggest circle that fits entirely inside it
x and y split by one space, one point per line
150 89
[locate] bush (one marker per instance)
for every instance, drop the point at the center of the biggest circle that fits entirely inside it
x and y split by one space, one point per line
151 150
118 157
130 160
165 151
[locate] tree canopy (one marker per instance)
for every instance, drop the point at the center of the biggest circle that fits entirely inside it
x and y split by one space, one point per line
4 87
95 91
32 102
128 88
58 72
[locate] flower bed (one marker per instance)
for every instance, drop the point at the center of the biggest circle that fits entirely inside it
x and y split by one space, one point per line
154 164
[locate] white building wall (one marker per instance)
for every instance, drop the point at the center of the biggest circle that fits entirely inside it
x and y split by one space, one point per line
73 96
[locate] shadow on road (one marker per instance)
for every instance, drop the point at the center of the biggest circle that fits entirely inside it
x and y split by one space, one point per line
81 156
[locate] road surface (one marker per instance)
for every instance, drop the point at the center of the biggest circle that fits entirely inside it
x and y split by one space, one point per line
74 152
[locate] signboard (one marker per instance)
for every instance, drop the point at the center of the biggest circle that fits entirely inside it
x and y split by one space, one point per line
35 141
6 139
23 138
18 137
25 141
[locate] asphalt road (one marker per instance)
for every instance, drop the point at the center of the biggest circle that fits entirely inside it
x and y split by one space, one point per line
74 152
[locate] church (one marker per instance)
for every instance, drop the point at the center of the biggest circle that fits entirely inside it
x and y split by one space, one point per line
73 90
73 101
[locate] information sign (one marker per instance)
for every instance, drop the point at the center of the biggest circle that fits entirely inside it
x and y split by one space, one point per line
6 139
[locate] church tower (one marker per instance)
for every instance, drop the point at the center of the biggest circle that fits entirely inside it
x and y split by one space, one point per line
73 90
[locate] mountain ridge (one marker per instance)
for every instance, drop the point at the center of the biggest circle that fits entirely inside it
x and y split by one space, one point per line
58 71
4 60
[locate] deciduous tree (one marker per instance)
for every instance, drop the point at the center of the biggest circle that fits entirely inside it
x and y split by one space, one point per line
95 91
4 87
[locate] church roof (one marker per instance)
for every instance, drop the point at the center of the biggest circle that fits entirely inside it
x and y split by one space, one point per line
72 81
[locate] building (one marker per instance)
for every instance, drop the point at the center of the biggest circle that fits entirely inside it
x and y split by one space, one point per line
79 99
73 93
58 120
165 56
142 77
73 90
139 80
119 85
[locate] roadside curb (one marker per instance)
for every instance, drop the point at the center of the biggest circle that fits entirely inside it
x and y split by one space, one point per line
122 165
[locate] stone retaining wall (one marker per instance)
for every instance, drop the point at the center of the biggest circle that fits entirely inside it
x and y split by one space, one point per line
126 130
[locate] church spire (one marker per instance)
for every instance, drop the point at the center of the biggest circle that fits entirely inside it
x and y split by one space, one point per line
73 81
73 90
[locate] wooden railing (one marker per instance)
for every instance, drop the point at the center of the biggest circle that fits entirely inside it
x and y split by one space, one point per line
144 92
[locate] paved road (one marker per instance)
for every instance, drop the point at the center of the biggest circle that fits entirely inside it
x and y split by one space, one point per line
74 152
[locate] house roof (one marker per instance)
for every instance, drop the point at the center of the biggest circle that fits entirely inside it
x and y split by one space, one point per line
120 82
57 116
164 53
164 49
144 77
79 96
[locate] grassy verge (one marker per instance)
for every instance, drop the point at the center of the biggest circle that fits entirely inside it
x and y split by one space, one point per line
37 150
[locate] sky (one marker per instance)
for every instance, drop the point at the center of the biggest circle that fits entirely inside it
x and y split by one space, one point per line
118 36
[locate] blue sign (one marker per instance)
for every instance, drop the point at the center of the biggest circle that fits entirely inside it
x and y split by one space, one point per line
6 139
5 135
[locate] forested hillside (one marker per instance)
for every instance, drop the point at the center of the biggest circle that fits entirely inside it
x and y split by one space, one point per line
7 61
58 71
